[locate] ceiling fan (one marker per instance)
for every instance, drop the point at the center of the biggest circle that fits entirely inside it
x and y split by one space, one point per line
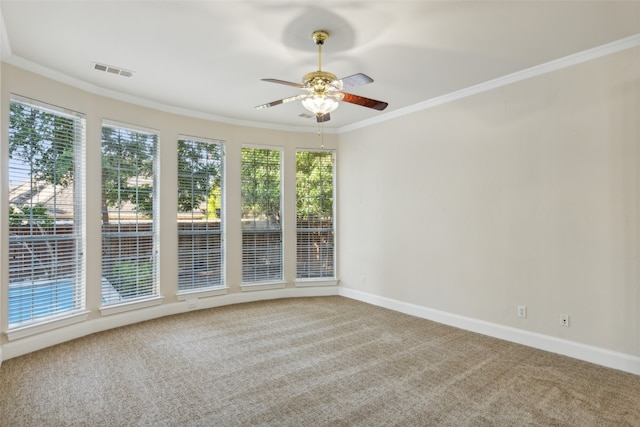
323 90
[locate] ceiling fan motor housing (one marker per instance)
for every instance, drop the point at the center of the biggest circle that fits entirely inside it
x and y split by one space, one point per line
319 81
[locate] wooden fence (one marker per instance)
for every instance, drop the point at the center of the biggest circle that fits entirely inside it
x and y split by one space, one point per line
51 251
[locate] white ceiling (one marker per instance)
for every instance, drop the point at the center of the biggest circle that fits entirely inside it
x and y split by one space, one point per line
207 57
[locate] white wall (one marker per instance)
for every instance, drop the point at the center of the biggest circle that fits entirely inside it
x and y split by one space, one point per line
523 195
97 108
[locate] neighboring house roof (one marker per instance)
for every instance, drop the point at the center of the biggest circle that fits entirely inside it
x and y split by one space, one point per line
43 192
62 198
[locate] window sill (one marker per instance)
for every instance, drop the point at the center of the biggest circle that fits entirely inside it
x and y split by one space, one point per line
201 293
129 306
262 286
37 328
325 281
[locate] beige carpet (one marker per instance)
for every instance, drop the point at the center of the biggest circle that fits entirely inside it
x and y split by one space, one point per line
307 362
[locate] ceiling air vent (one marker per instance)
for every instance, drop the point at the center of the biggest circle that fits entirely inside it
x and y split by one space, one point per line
111 69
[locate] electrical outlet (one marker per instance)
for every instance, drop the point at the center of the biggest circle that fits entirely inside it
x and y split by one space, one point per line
522 311
564 320
362 280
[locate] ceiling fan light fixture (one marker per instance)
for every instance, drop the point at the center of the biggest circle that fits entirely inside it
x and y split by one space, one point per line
320 104
324 89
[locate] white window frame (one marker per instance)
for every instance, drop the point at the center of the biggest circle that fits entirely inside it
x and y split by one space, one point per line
112 301
188 258
314 279
262 226
74 304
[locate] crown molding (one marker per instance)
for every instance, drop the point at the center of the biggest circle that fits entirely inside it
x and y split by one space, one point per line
538 70
47 72
5 47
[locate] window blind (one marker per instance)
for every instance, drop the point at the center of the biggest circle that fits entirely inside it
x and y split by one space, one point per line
46 212
200 211
261 218
129 212
315 249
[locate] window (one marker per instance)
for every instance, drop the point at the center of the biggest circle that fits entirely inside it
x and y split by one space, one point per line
315 251
261 222
46 228
129 206
200 188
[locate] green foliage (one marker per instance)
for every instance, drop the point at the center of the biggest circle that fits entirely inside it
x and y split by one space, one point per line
43 141
35 214
131 279
15 216
199 176
127 169
40 143
260 183
215 203
314 184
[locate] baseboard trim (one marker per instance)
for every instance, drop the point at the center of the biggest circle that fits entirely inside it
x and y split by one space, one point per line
600 356
33 343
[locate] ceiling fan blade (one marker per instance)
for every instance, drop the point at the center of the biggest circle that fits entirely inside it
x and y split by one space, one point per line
355 80
281 101
365 102
283 82
324 118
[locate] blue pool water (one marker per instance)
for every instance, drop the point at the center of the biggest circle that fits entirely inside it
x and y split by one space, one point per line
32 300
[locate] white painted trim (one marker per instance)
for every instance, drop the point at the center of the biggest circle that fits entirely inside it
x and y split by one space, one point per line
33 343
130 305
279 148
206 140
40 327
41 70
114 124
600 356
201 293
262 286
55 109
305 283
574 59
538 70
238 298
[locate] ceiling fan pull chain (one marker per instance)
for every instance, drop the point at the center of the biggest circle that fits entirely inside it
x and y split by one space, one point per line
321 134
